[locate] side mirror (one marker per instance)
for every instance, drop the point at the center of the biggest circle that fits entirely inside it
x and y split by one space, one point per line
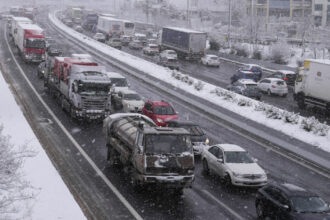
220 160
285 206
255 160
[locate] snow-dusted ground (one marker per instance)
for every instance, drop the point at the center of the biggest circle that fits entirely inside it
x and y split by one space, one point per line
207 92
52 199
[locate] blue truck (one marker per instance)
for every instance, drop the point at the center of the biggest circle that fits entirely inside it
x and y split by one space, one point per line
188 44
90 20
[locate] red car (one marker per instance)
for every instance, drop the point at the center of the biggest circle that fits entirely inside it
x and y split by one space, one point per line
159 111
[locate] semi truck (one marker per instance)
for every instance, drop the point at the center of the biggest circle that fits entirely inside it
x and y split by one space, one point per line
90 20
81 86
15 21
30 41
115 27
188 44
75 14
312 86
152 155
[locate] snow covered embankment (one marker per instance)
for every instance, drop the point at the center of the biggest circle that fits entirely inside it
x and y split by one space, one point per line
308 130
52 198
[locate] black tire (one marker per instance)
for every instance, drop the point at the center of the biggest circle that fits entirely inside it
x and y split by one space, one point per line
269 92
206 169
260 210
301 101
284 95
227 180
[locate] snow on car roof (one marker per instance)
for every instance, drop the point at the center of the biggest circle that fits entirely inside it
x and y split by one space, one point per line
128 91
211 55
247 81
231 147
185 30
274 79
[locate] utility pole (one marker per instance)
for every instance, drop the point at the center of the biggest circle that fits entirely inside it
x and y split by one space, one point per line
229 26
252 15
147 12
188 23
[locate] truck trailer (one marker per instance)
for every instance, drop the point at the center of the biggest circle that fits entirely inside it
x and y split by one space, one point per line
30 41
115 27
15 21
81 87
153 155
188 44
312 86
90 20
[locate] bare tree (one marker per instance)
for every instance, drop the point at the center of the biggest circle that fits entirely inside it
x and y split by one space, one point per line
13 188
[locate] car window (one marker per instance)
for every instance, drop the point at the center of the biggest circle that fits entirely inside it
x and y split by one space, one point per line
280 83
213 149
164 110
148 107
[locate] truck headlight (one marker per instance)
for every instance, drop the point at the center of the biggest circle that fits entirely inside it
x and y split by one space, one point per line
207 141
160 120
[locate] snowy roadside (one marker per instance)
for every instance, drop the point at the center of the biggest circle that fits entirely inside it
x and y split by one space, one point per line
52 198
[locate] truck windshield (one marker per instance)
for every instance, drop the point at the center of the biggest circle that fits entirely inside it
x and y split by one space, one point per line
167 144
94 89
194 130
119 82
37 43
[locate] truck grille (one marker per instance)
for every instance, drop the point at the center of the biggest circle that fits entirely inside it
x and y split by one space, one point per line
92 103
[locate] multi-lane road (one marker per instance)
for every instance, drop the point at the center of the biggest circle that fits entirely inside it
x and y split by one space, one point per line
105 193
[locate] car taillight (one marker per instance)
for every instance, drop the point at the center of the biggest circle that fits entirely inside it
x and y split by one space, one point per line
273 86
285 78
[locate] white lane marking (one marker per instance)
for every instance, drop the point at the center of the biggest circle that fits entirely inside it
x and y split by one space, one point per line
75 143
232 212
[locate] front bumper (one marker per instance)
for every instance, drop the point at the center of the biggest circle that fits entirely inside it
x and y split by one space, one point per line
245 182
170 181
91 114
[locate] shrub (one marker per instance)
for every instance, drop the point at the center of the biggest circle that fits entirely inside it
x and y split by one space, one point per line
244 102
261 106
273 112
309 123
214 45
290 117
257 54
199 85
280 53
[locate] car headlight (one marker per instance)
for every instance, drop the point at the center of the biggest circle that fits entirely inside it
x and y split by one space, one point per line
43 71
207 141
263 176
160 120
128 105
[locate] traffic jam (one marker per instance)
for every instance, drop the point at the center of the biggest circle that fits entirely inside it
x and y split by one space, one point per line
148 137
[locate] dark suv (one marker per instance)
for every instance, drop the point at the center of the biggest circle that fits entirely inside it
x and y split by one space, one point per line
198 137
287 201
248 71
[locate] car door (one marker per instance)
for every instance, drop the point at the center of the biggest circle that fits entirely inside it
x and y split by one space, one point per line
117 98
219 163
211 158
284 206
261 85
147 110
274 204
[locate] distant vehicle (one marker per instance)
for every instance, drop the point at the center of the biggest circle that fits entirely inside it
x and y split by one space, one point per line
49 42
125 39
135 44
79 29
288 76
168 54
198 137
90 19
188 44
273 86
160 112
15 21
54 51
246 87
118 83
30 41
151 49
129 101
288 201
210 60
312 84
41 70
141 37
171 63
99 37
234 165
242 74
152 41
68 22
115 43
253 68
115 27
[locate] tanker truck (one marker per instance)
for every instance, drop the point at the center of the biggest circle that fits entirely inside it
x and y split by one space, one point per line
152 155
